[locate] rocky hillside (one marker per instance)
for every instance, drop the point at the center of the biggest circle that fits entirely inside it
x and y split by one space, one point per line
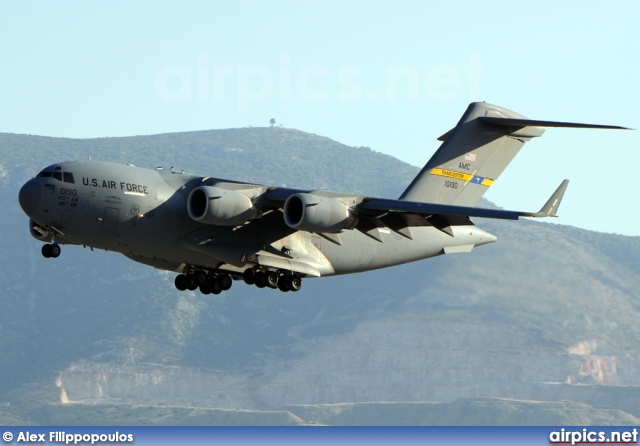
537 327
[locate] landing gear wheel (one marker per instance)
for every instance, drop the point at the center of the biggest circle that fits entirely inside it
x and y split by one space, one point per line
295 282
272 279
225 281
180 282
261 279
55 250
205 288
201 277
46 251
192 283
283 284
216 286
249 276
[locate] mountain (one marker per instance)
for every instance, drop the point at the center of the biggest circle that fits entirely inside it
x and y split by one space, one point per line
537 327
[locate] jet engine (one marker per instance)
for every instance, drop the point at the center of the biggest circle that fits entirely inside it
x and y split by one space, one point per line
222 207
308 212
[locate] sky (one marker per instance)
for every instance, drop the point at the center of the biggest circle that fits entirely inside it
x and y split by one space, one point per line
392 76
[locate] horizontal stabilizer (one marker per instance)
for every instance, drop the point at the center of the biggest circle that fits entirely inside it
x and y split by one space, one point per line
516 122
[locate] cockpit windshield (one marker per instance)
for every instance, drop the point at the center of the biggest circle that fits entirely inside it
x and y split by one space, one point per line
66 177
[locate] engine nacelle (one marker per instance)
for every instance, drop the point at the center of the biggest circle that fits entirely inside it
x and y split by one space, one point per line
38 232
221 207
313 213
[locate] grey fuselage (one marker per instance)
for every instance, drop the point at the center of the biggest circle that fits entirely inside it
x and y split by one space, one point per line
142 213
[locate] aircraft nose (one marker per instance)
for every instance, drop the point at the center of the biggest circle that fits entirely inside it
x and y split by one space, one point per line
29 196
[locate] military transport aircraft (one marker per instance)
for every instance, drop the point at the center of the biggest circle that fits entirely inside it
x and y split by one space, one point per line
213 231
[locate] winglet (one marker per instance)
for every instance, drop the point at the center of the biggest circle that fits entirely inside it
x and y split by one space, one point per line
552 205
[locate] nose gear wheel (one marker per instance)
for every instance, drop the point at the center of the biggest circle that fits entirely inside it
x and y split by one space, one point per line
51 251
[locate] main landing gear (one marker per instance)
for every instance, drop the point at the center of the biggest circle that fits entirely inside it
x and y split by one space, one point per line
51 251
282 280
215 282
206 282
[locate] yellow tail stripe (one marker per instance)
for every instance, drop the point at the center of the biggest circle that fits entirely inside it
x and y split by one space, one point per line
461 176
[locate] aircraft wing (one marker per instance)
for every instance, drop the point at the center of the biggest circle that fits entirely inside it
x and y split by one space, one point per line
385 205
276 196
377 206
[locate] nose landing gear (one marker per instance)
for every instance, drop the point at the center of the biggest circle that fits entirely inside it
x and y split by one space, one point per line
51 251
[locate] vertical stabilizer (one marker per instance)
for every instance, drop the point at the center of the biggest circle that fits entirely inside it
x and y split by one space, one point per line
471 157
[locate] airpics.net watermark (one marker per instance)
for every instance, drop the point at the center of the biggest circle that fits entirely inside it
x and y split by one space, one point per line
205 81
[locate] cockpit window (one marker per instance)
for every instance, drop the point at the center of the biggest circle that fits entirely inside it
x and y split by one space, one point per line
67 177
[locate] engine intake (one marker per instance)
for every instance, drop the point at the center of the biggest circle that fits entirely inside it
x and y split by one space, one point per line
221 207
313 213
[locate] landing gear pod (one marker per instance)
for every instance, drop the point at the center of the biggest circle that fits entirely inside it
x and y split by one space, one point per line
38 232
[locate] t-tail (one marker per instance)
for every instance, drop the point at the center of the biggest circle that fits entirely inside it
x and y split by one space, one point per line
474 154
